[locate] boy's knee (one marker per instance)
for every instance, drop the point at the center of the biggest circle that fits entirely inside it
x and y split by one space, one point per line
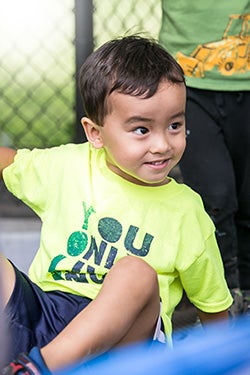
139 270
134 262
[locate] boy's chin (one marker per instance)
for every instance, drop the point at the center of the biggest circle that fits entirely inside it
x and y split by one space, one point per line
151 183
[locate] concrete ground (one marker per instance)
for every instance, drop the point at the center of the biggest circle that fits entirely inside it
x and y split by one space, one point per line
19 240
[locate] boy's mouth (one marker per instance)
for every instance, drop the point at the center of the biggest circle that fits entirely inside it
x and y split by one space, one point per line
158 165
157 162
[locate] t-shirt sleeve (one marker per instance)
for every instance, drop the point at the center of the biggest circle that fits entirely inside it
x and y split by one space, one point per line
204 280
28 178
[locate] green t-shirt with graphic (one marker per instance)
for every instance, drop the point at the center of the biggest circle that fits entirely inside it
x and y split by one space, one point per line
91 217
210 40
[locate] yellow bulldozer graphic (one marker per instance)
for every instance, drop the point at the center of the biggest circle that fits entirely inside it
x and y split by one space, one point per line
229 55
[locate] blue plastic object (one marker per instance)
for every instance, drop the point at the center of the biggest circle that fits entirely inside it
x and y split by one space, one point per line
221 349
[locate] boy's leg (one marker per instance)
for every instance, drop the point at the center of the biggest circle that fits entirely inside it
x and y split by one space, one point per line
125 311
7 279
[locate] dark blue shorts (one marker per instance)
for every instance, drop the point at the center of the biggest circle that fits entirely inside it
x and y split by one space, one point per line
35 317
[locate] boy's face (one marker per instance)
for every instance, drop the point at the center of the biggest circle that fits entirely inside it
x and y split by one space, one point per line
145 138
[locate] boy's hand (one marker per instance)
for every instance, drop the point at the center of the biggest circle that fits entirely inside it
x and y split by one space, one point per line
212 317
7 156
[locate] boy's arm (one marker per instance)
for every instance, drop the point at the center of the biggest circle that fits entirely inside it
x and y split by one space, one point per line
7 156
212 317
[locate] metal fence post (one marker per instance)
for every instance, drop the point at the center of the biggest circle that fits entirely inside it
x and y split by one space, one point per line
83 47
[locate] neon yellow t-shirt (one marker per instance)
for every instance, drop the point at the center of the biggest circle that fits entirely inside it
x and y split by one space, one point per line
92 217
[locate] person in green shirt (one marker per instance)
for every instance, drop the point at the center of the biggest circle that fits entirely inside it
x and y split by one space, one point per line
211 41
120 239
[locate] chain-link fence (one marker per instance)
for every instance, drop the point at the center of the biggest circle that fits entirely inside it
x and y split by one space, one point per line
113 18
36 72
39 38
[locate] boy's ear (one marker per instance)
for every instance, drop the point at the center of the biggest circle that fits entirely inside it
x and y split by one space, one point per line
92 132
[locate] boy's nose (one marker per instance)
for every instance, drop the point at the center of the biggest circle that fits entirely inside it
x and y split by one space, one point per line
160 144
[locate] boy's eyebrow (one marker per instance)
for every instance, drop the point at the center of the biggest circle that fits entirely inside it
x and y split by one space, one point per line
178 114
133 119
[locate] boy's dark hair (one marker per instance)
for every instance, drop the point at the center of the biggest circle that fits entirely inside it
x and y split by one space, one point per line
131 65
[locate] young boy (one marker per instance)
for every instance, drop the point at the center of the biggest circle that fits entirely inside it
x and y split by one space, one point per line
120 239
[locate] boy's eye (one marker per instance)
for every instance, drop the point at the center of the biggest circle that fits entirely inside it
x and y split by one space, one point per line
174 126
141 131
